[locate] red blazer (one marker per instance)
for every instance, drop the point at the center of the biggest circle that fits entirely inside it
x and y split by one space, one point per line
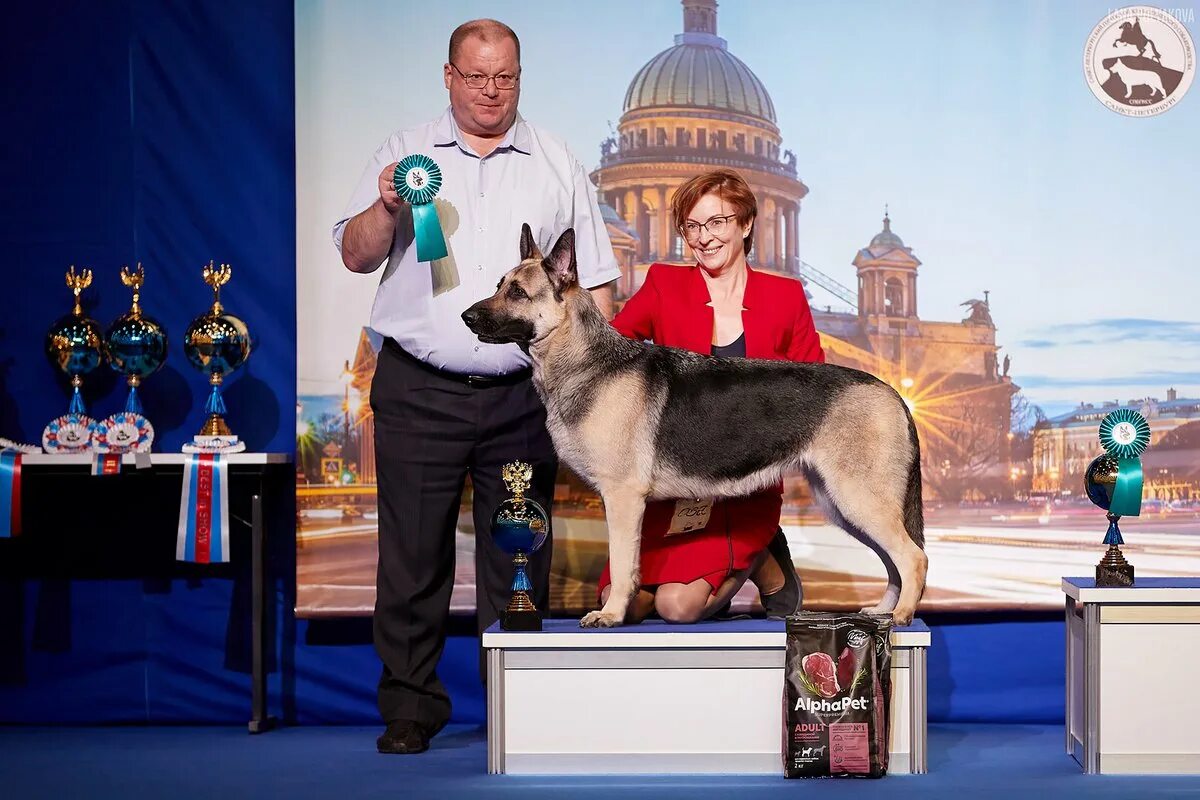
672 309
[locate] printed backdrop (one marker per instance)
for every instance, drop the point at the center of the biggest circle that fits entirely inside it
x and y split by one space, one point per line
914 163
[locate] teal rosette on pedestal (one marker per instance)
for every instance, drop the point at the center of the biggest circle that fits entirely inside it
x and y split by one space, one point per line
1125 435
417 179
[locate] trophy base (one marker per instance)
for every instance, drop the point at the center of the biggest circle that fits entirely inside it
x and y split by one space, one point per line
215 426
214 444
1113 570
524 620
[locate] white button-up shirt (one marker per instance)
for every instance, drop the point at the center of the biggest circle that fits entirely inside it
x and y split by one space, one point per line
530 177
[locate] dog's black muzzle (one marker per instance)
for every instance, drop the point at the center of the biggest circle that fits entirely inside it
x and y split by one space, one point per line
484 324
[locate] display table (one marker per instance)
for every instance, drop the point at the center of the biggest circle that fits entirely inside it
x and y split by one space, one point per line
156 459
1131 655
247 471
659 698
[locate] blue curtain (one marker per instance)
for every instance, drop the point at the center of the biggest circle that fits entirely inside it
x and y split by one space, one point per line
161 133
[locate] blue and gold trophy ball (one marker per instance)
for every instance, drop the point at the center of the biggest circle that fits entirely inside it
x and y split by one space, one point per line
520 527
74 345
136 345
1113 481
216 343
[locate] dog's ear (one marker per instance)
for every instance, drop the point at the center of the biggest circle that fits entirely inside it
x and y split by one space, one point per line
560 264
529 248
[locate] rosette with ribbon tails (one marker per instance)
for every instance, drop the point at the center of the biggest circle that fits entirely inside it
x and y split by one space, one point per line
417 179
1125 435
73 345
1113 482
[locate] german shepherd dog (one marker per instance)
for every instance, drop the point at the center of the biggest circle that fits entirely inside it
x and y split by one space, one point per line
640 422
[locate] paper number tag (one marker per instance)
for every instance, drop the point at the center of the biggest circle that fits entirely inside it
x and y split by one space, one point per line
690 515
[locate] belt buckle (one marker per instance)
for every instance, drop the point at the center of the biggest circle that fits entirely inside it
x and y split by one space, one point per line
476 381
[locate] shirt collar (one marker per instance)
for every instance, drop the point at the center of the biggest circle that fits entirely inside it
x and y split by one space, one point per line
517 138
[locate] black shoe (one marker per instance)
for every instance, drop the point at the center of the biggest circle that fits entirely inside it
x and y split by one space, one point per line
404 737
787 600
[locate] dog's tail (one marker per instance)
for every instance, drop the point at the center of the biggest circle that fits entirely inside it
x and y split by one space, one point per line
914 514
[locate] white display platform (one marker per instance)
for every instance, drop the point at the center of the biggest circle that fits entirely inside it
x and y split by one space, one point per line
1132 653
659 698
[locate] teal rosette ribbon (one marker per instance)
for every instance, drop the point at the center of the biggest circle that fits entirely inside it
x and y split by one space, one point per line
1125 435
417 179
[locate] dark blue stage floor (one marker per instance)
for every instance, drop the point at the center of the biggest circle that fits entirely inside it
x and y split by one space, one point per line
967 762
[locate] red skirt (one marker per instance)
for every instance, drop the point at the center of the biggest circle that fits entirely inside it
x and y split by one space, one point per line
738 530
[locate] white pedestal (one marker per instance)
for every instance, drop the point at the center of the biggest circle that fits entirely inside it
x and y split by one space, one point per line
1132 654
658 698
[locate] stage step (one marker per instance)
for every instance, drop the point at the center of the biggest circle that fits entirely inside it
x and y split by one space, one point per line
660 698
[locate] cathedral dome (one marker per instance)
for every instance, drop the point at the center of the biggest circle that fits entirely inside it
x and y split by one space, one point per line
700 72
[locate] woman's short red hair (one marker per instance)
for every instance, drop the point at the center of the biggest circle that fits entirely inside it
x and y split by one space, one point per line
726 184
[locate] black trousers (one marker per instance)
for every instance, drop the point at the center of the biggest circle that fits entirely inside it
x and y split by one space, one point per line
431 431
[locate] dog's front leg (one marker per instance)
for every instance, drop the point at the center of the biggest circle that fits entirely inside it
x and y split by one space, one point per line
624 508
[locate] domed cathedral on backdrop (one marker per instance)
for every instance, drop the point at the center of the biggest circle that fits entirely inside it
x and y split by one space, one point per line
692 108
695 107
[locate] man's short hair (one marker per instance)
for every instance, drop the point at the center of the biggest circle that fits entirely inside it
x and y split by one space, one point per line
489 30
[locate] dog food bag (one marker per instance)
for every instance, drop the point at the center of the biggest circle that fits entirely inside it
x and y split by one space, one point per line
883 687
837 692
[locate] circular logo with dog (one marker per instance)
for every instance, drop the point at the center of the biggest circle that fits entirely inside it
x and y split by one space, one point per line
1139 61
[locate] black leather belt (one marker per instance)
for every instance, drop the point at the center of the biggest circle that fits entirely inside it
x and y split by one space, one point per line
474 381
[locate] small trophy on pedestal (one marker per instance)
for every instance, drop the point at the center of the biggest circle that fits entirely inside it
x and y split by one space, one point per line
73 345
1113 482
520 527
216 343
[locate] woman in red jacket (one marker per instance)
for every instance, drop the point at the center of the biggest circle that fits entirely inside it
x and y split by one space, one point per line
720 307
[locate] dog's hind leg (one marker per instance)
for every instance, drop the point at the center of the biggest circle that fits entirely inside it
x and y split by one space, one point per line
866 508
891 594
881 520
913 565
624 508
867 457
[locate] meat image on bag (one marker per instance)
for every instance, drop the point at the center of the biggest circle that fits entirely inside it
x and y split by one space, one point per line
837 693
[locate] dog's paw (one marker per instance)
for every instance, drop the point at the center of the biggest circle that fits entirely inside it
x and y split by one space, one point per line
599 619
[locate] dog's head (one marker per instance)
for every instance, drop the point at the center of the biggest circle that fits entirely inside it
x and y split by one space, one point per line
529 300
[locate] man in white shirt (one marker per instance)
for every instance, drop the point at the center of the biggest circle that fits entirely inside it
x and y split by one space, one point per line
446 404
